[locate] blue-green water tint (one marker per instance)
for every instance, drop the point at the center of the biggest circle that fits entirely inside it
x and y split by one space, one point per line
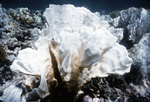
94 5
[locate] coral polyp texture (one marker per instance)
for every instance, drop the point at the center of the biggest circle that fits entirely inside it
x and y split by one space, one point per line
74 47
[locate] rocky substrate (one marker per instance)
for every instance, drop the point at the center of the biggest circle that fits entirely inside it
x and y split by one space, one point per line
19 29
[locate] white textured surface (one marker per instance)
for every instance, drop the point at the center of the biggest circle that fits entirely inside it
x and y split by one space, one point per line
12 94
82 44
81 31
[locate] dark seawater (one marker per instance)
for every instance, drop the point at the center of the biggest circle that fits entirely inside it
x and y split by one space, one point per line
94 5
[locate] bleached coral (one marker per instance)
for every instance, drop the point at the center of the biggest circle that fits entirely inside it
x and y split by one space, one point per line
84 36
75 47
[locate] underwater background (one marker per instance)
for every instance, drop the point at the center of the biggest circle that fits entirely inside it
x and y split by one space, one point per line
104 6
118 72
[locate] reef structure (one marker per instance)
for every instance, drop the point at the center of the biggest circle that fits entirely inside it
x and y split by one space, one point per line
131 27
75 47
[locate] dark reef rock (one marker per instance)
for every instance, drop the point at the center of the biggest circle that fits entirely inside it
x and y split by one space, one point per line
114 14
109 88
140 53
2 56
135 23
141 58
17 27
